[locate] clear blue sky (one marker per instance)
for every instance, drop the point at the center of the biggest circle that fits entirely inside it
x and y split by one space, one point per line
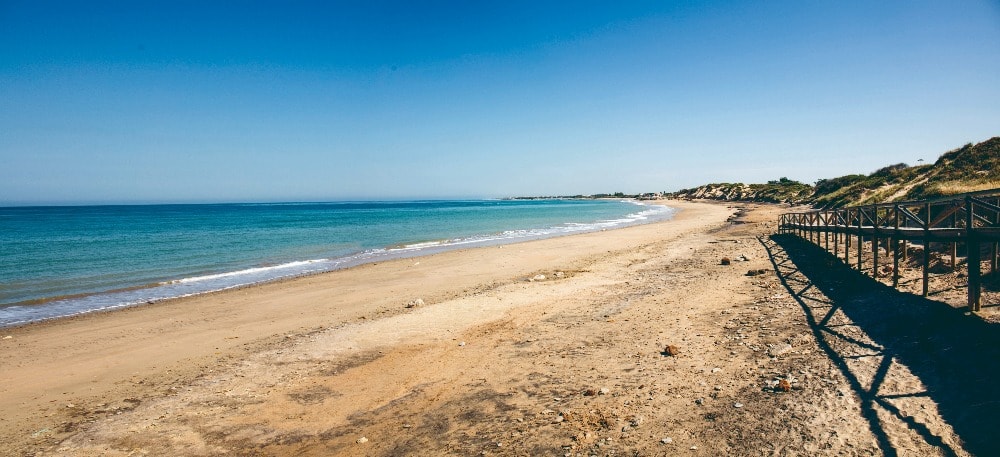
260 101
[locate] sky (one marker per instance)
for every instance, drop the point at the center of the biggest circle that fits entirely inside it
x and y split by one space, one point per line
200 101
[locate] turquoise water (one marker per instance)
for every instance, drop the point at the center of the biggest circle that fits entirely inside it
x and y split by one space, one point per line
59 261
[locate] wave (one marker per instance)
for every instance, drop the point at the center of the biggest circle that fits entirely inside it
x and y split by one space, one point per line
652 212
248 271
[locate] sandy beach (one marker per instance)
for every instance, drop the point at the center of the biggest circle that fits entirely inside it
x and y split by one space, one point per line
548 347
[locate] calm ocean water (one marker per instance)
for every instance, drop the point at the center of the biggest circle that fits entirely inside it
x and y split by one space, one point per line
60 261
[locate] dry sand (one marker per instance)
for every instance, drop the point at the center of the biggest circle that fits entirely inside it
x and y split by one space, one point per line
497 360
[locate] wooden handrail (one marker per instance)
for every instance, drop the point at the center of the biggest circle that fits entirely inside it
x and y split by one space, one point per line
965 218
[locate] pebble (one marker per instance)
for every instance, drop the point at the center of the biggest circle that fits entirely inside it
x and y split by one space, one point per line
8 337
461 343
667 440
778 349
737 405
604 391
362 440
716 370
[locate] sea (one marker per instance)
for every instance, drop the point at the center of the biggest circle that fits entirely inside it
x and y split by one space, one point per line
58 261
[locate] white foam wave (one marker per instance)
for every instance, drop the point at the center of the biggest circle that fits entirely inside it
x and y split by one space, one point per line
248 271
417 246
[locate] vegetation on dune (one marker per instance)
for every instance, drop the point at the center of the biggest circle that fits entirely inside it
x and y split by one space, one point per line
885 184
970 168
835 191
781 190
967 169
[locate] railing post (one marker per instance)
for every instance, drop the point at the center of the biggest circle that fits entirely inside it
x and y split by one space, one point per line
927 247
861 239
895 247
972 245
818 228
808 228
875 222
906 242
814 224
996 245
812 227
847 238
836 234
954 244
826 229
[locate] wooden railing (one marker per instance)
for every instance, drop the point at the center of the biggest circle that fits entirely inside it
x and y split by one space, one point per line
971 220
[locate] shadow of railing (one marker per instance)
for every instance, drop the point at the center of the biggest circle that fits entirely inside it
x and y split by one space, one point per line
923 370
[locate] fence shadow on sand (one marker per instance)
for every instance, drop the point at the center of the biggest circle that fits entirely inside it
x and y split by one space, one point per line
923 371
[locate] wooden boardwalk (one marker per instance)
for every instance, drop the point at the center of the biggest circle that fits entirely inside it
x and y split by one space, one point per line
967 223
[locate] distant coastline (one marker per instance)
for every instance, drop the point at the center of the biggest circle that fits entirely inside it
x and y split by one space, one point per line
970 168
648 196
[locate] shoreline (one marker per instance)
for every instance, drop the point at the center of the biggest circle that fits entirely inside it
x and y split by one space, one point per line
492 360
674 211
66 360
61 307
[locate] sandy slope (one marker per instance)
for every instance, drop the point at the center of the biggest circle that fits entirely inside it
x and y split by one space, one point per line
490 364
